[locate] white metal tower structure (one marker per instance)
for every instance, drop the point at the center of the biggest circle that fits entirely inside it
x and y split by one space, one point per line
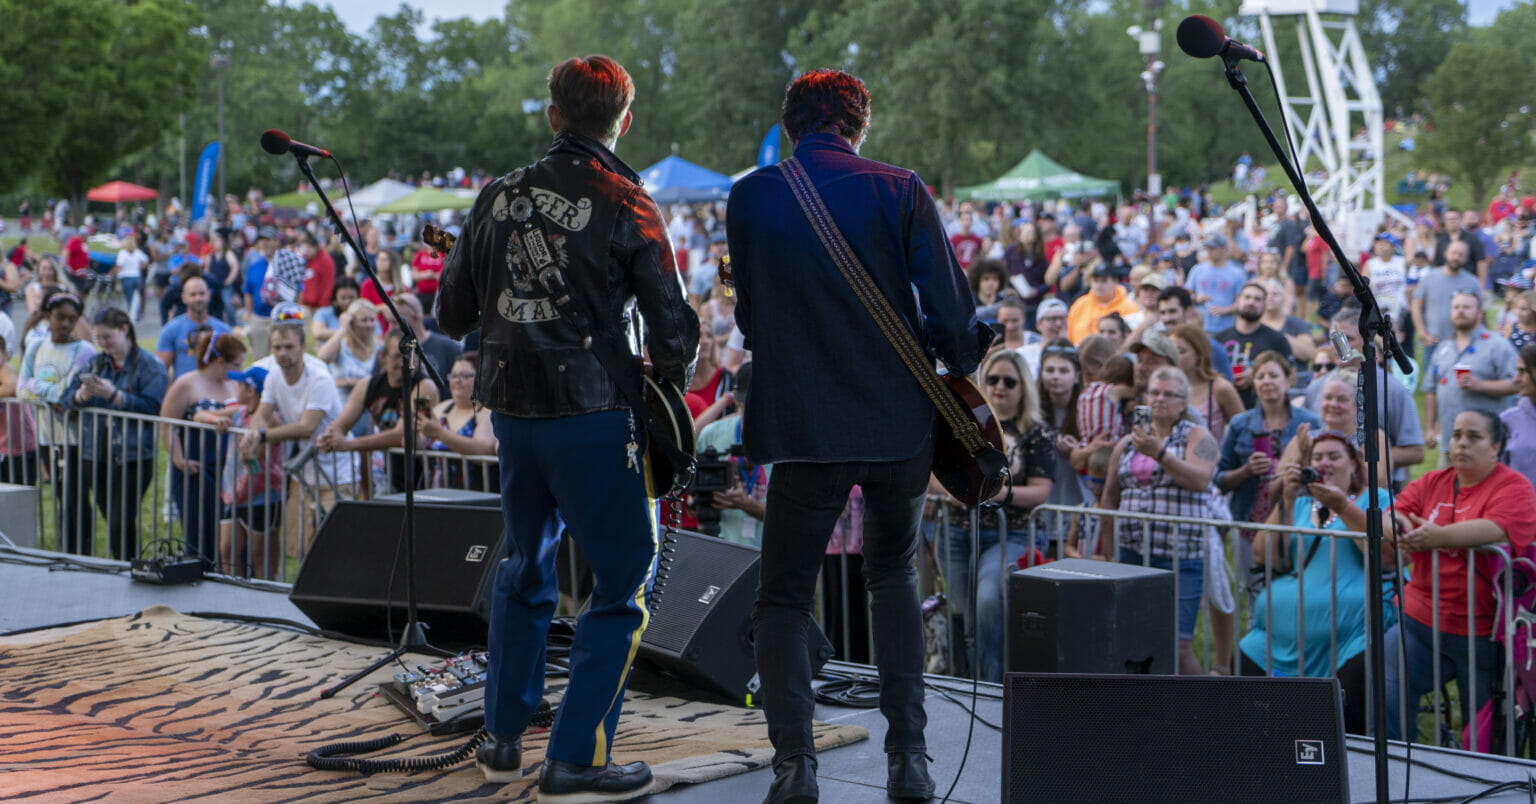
1340 101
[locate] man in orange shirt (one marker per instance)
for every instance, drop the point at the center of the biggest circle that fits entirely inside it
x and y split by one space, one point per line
1105 295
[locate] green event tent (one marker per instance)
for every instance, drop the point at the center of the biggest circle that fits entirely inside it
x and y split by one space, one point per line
427 199
1038 178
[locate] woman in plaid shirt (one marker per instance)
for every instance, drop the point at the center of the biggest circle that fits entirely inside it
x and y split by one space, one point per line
1165 468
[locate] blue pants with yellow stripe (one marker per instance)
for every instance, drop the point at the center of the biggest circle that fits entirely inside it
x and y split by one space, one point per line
578 465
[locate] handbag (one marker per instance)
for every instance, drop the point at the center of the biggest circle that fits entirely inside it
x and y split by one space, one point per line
968 458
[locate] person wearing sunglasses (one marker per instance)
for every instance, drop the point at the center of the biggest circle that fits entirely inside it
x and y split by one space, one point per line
1032 457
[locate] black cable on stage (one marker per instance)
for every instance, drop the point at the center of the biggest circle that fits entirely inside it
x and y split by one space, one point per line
970 730
338 756
341 756
1465 777
853 692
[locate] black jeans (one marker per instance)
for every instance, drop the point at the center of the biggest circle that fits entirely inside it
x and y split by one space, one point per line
804 502
119 490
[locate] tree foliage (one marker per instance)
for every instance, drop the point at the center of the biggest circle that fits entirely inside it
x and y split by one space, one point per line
1406 40
113 75
1480 102
962 89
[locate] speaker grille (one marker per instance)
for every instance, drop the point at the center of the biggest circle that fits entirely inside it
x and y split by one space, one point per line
1079 738
693 574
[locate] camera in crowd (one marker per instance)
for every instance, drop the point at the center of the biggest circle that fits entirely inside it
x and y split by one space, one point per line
1309 475
713 473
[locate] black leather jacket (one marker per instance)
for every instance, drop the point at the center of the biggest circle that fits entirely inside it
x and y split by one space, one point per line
610 241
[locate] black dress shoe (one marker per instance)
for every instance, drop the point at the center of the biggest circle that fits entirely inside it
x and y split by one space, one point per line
907 776
794 781
500 759
568 783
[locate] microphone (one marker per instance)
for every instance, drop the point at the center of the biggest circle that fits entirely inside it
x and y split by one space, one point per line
1202 38
277 141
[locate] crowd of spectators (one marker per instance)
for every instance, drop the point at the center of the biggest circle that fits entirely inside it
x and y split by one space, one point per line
258 330
1159 356
1167 357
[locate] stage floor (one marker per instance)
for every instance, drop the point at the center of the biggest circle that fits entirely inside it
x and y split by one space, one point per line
37 590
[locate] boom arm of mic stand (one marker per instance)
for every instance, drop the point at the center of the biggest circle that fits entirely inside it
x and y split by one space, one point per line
1372 321
368 268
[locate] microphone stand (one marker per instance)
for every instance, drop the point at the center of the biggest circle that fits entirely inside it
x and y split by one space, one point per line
414 635
1372 323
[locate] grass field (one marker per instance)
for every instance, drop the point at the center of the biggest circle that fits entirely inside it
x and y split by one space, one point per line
1397 164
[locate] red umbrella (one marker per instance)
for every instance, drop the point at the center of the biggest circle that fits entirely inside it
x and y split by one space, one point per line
116 192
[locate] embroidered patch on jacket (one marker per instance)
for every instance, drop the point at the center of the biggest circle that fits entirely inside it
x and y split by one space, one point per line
560 210
525 311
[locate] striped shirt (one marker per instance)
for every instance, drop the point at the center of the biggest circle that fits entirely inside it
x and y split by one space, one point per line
1097 413
1161 495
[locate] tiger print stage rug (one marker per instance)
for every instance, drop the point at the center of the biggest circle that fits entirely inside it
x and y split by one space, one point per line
162 707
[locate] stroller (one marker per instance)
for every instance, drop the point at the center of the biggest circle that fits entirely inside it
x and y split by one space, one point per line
1517 611
97 289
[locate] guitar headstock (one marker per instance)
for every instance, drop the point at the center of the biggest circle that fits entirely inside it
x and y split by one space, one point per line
438 240
727 276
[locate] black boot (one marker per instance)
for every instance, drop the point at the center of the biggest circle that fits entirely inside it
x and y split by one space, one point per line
907 776
568 783
500 759
794 781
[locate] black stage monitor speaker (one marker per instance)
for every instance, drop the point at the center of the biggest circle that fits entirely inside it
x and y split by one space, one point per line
1099 739
1077 616
701 615
345 583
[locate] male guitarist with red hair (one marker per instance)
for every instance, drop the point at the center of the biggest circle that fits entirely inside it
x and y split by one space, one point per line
835 405
566 244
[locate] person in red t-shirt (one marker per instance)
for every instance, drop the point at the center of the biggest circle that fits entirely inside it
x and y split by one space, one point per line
1440 516
1318 253
965 242
319 277
426 267
77 259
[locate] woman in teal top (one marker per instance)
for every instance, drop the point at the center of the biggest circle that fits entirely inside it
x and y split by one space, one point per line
1329 578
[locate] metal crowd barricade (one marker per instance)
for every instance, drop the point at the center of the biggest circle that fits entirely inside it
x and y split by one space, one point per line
113 504
446 469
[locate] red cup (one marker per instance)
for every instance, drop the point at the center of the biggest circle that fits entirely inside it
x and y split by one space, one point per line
1462 370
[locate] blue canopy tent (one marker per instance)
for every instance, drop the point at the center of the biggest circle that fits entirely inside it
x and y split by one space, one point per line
676 180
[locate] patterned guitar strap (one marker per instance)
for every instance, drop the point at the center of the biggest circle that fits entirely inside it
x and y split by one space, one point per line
891 325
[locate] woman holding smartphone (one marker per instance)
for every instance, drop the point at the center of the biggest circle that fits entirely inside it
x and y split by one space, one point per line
1164 467
1254 441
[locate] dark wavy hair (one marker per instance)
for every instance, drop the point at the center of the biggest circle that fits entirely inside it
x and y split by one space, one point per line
591 94
825 100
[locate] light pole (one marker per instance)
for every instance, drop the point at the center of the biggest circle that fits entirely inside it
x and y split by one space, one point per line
220 62
1149 44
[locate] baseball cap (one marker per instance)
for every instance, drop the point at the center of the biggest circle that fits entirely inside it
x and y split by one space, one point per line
1102 269
1154 279
718 237
1158 344
1215 240
1390 238
286 311
267 233
1050 307
255 376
